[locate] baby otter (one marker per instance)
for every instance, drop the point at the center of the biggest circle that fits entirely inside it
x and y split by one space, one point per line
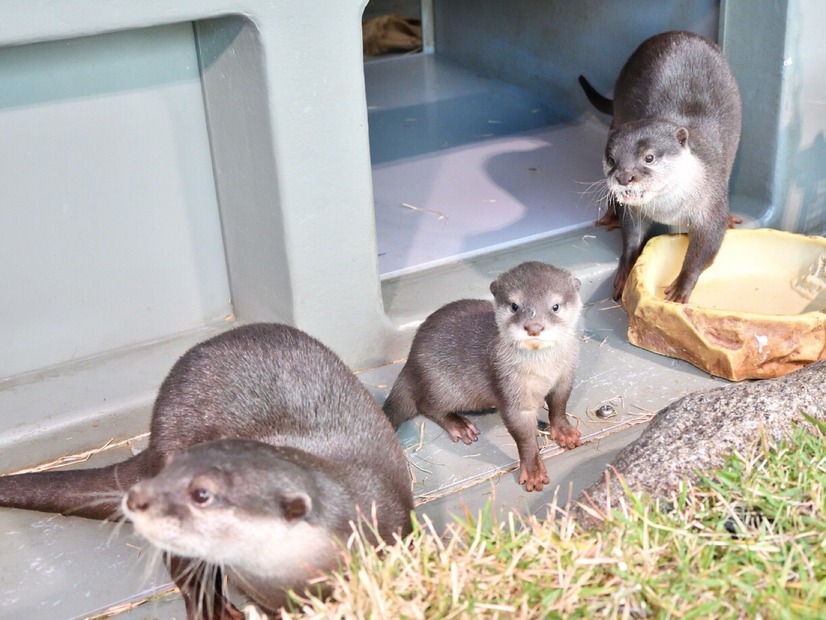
263 448
670 150
511 354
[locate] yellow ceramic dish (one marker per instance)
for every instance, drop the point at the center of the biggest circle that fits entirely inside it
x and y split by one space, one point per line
758 311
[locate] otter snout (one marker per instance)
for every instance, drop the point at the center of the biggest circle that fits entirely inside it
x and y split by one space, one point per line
137 499
534 328
625 178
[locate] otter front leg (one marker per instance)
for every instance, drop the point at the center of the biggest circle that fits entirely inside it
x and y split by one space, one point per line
634 230
610 219
521 424
559 428
458 427
703 244
202 589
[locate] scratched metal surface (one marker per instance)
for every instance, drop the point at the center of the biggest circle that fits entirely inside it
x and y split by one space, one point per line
55 567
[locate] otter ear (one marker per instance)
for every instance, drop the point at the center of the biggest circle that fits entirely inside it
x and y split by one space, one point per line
493 288
577 283
682 136
296 506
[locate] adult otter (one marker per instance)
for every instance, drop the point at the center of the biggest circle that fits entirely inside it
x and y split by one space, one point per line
512 354
296 445
670 151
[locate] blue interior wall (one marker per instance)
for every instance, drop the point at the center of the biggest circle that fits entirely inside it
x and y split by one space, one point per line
543 45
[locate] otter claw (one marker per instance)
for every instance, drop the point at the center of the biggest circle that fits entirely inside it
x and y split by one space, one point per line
534 480
567 436
461 428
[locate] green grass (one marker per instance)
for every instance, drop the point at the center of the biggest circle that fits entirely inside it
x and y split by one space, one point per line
748 541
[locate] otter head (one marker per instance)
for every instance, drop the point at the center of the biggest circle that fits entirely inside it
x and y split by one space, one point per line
536 305
241 504
644 160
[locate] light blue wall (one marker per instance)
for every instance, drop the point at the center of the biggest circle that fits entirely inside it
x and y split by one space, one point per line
543 45
803 199
778 53
109 229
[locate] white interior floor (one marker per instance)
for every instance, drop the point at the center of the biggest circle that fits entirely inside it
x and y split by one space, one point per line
464 164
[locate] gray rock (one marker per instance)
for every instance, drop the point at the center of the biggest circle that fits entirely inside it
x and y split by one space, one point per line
697 433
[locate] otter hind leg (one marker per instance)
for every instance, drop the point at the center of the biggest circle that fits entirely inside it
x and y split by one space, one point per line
400 405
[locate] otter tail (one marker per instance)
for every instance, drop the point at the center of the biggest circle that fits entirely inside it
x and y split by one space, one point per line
400 406
89 493
603 104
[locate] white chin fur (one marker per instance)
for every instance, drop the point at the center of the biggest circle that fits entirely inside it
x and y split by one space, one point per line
665 194
633 197
166 535
535 344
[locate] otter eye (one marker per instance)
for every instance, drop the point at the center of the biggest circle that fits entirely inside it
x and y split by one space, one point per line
515 307
200 496
649 159
555 307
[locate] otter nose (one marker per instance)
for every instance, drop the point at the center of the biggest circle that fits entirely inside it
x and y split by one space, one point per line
534 328
137 500
624 177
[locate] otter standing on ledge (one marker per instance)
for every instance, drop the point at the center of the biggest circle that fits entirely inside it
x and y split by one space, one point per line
671 147
472 355
263 448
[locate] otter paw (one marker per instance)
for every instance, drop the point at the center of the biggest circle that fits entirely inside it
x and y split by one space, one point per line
230 612
619 283
609 219
534 478
566 435
677 294
461 428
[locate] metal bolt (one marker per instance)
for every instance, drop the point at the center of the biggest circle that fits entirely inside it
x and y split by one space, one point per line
605 411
